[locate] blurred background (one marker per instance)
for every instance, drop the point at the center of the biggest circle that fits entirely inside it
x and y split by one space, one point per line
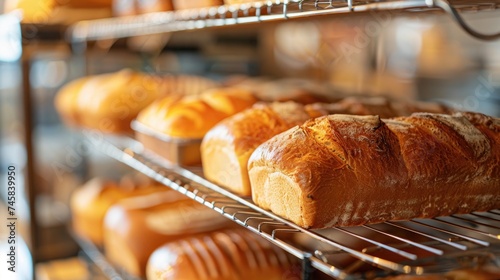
423 56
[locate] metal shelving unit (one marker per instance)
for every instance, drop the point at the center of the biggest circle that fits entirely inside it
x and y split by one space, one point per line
419 246
401 247
265 11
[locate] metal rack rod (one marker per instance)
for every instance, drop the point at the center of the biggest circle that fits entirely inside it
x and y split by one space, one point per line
265 11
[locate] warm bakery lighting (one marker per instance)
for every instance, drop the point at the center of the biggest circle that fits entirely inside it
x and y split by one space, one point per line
33 11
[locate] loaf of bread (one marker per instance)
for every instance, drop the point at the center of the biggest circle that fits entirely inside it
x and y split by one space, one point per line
90 202
109 102
135 227
192 116
221 255
342 170
194 4
226 148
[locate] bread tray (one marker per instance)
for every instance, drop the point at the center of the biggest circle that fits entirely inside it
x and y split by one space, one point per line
179 151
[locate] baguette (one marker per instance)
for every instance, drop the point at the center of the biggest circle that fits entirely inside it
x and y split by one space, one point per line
341 170
227 147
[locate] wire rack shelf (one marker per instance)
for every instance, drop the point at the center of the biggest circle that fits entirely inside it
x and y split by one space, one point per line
419 246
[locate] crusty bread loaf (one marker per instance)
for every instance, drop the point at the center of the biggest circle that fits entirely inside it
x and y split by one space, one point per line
135 227
222 255
226 148
90 202
342 170
193 116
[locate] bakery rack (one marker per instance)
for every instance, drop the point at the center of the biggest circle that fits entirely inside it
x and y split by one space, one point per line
414 247
266 11
403 247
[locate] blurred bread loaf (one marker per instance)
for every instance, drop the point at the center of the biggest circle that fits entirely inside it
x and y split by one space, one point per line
90 202
135 227
174 126
221 255
109 102
193 116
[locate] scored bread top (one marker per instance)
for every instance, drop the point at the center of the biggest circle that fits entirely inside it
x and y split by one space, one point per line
351 170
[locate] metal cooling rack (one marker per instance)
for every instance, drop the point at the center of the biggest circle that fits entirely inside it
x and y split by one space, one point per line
276 10
419 246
